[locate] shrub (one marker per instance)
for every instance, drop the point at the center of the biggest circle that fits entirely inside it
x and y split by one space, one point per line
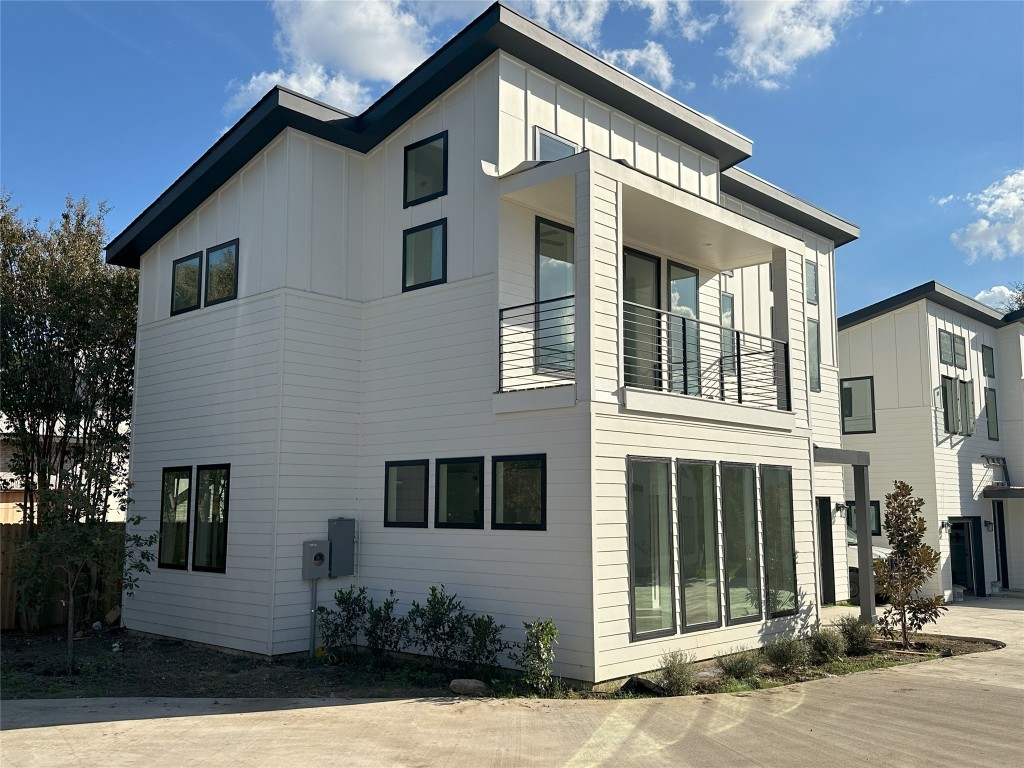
440 627
787 653
828 644
537 653
485 645
859 635
678 675
741 665
386 633
340 628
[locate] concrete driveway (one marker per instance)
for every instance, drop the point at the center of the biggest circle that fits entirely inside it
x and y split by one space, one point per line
964 711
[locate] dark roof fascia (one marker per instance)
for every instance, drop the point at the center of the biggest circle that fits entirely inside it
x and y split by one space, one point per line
761 194
932 291
1017 316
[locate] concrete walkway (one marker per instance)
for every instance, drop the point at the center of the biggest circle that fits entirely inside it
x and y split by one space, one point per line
963 711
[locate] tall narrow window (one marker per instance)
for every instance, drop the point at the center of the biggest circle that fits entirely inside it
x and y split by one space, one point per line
728 334
459 493
175 506
991 413
742 561
641 323
209 552
960 352
650 547
698 545
779 540
945 347
555 287
424 255
221 273
405 493
548 146
966 407
684 336
988 361
814 354
858 405
426 169
811 281
519 492
950 409
185 283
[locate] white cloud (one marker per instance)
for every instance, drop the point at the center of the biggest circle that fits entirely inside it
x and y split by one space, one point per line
999 229
651 62
997 296
578 20
773 36
668 16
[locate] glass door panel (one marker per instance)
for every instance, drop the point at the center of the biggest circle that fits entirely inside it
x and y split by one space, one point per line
555 287
641 327
683 335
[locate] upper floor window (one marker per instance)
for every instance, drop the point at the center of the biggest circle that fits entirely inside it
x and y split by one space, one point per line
425 255
858 405
957 406
221 273
991 413
814 354
426 170
952 349
959 352
548 146
811 281
988 361
185 280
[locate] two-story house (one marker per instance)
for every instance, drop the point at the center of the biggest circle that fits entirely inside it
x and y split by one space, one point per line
932 388
526 321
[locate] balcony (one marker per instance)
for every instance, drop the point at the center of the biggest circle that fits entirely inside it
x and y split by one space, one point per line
537 344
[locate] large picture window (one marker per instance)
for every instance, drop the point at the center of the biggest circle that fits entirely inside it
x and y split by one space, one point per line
779 541
426 170
175 512
814 354
210 536
742 559
858 405
519 490
650 547
185 280
425 255
221 273
459 493
555 287
405 493
698 545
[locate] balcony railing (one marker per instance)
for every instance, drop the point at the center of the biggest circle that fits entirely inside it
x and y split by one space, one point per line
537 344
670 352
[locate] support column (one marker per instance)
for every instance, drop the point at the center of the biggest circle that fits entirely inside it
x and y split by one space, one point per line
865 564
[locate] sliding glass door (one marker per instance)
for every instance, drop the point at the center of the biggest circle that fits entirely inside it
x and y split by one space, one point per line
641 327
684 336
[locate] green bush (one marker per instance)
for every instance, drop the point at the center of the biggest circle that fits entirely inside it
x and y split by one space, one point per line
787 653
340 628
484 645
678 675
536 655
440 628
828 644
386 633
740 665
859 635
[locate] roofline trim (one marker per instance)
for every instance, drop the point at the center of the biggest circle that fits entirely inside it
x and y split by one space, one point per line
931 291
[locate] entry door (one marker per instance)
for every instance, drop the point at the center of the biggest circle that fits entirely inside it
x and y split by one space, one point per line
641 327
826 555
961 555
1002 571
684 335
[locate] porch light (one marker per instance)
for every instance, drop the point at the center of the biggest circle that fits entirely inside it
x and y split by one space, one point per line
944 526
989 526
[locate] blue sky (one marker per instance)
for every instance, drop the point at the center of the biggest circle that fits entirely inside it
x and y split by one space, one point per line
905 118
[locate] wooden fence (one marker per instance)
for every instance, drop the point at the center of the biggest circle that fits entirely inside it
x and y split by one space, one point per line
52 611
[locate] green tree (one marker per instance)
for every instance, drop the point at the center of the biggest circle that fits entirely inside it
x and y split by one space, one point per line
901 575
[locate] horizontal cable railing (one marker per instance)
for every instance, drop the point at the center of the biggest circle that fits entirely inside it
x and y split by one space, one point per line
670 352
537 344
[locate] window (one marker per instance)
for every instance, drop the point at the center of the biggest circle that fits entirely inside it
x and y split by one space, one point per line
209 553
858 405
959 352
185 283
779 540
555 272
459 493
988 362
650 548
946 347
991 414
876 517
175 502
814 354
683 333
426 170
424 255
811 281
518 493
698 545
221 273
950 410
966 407
405 493
742 561
548 146
728 335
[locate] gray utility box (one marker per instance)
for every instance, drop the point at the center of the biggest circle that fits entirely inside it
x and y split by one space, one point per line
341 532
316 559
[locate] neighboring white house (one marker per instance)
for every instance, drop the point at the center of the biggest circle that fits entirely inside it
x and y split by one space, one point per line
932 386
528 324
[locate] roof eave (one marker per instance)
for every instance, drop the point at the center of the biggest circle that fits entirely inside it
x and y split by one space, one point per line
930 291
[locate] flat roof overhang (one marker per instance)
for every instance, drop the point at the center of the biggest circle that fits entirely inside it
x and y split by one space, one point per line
1003 492
841 456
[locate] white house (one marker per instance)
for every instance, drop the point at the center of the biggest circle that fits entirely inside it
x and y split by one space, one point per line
524 320
932 387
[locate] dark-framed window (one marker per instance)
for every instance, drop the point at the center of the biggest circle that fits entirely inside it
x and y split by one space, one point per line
425 255
698 545
683 331
405 493
811 281
857 400
175 515
221 283
950 408
649 518
742 546
519 489
814 354
459 493
426 170
959 352
185 283
945 347
991 413
988 361
728 306
966 397
876 517
210 531
555 249
779 541
548 146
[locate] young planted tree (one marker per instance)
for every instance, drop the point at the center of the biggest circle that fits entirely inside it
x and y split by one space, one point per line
901 575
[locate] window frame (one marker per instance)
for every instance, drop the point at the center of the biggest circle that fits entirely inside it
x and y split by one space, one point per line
444 254
764 543
195 516
992 423
206 275
543 525
479 461
808 297
728 332
635 636
817 349
947 334
538 132
188 519
425 463
965 401
717 528
406 202
758 536
950 406
199 283
956 352
873 504
988 362
842 407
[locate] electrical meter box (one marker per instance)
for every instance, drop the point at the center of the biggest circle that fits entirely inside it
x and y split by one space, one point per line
316 559
341 532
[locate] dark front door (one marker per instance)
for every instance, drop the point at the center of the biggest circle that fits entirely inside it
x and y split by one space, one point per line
826 555
1002 572
965 557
